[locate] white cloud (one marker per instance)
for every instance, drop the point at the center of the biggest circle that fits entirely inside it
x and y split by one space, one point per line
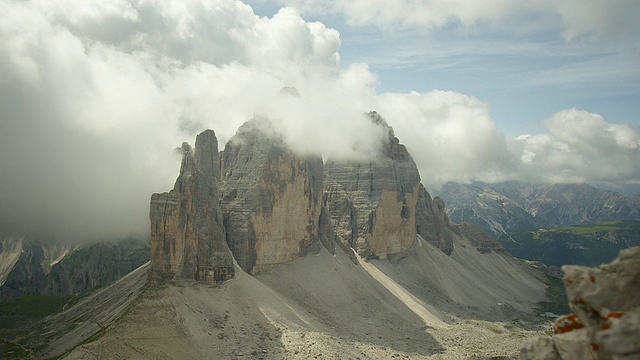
572 18
581 147
450 135
94 97
453 138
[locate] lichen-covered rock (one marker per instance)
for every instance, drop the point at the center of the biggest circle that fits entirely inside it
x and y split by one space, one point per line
605 323
187 233
271 199
378 206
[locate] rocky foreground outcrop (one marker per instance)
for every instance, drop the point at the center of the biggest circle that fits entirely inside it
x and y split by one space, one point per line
605 323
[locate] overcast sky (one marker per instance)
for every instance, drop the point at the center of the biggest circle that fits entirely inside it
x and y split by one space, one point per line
96 95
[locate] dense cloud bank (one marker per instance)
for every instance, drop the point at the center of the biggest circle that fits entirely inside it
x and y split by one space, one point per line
95 96
453 138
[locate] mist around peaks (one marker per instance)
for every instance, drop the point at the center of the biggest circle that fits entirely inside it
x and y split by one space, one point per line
94 98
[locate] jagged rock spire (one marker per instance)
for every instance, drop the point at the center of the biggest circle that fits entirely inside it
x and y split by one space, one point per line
188 238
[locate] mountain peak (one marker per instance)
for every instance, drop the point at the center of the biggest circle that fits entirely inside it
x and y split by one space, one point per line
187 232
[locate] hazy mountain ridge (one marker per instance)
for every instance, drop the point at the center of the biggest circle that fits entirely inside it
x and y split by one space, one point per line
588 245
56 268
513 206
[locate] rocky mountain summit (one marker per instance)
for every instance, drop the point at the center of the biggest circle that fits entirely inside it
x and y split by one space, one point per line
260 203
377 207
513 206
262 252
271 198
188 238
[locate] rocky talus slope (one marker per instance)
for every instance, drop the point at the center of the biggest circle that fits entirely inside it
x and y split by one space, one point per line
428 305
605 323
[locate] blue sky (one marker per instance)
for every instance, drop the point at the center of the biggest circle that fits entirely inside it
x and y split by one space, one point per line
96 95
525 71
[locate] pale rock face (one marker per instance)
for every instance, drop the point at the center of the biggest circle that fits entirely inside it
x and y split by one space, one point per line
271 199
432 222
394 223
378 207
606 319
187 233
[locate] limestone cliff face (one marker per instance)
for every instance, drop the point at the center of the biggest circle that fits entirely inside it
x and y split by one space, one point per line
271 199
187 233
433 223
379 206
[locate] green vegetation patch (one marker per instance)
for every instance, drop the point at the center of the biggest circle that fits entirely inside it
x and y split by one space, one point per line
588 245
34 306
557 301
607 226
19 318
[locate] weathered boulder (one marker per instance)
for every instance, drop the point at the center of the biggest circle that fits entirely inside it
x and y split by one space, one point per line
605 323
377 207
271 199
187 233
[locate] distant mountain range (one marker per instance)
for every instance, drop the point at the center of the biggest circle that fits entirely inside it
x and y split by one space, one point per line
510 207
58 268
